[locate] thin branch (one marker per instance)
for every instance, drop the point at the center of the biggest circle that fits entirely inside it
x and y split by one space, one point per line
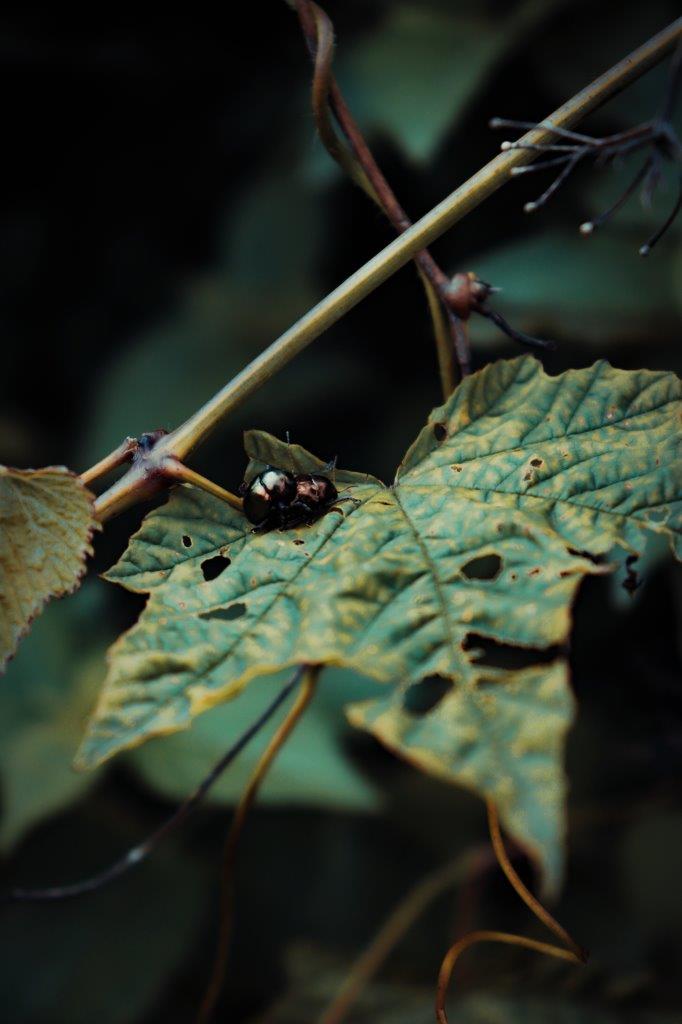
658 135
571 951
536 168
444 336
589 226
531 902
456 950
179 471
645 249
524 339
535 204
124 453
140 852
399 921
309 677
361 166
524 126
382 266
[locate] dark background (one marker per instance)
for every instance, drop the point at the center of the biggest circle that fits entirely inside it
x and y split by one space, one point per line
166 212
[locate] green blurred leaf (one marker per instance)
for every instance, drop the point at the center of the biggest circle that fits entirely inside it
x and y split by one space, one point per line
312 769
50 691
264 281
518 468
46 524
415 75
108 957
596 290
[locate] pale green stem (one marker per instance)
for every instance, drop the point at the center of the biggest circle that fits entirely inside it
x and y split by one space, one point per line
179 471
423 232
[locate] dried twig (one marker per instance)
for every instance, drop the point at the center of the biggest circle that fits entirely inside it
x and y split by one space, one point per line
657 137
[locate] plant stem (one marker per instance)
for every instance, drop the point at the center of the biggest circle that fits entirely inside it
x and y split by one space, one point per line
456 950
363 168
179 471
123 453
573 953
531 902
305 695
463 200
399 252
396 925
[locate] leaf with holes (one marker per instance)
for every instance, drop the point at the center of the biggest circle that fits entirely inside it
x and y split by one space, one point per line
46 524
476 545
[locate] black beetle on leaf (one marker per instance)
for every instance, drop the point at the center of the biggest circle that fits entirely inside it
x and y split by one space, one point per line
277 499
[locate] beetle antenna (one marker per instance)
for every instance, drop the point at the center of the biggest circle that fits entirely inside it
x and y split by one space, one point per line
292 468
330 469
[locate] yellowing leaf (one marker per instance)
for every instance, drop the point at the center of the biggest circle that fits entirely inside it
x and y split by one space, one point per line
46 524
475 544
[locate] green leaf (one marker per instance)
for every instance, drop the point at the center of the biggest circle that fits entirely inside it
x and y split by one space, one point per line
476 539
176 764
50 691
594 290
46 524
418 72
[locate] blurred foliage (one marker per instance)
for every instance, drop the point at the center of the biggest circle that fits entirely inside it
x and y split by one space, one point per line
164 217
557 279
176 764
44 705
315 977
383 74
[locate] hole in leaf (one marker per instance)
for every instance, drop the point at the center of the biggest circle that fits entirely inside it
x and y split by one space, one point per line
632 582
212 567
299 541
440 432
186 540
595 559
486 567
494 654
233 611
423 696
536 462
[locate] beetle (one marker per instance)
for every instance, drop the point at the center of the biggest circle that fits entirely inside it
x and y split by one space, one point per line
277 499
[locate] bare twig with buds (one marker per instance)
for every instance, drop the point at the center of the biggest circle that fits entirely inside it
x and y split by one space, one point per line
657 136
